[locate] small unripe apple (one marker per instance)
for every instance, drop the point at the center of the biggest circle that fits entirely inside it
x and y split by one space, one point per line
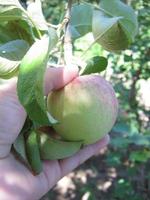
86 109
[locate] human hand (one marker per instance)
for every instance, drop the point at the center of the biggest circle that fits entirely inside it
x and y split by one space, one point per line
16 181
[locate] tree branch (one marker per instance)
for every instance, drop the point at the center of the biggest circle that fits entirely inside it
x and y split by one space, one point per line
68 53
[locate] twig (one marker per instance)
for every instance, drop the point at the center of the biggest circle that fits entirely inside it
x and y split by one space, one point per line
68 53
52 25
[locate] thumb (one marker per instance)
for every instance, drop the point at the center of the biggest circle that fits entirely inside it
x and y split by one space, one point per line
56 78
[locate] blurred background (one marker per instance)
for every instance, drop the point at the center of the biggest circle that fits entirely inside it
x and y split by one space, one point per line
122 170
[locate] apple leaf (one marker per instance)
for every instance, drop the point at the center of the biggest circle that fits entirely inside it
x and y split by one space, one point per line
14 50
140 139
19 147
31 80
115 26
95 65
10 2
81 19
107 31
128 21
10 10
16 29
11 54
5 34
52 149
140 156
13 14
35 11
33 152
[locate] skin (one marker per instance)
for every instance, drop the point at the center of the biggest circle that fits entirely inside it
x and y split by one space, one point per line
16 181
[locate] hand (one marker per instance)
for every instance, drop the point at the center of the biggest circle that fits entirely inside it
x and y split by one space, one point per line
16 181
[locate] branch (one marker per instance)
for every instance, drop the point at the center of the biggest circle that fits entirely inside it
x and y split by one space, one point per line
68 54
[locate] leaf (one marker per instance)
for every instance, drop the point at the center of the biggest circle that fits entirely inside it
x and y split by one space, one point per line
14 50
107 31
53 36
95 65
33 153
8 68
11 54
140 156
5 34
31 80
120 142
35 11
81 19
140 139
122 128
19 146
13 11
128 22
10 10
56 149
115 26
13 30
114 158
9 2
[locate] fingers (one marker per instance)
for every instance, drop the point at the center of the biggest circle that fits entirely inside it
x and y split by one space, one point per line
84 154
56 78
55 170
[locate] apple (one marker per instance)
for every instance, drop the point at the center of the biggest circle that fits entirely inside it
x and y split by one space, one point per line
86 109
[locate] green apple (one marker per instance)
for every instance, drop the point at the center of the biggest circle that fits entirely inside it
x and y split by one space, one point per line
86 109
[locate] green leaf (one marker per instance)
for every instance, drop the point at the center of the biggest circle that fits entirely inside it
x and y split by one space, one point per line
53 36
31 80
120 142
52 149
140 156
13 11
128 58
11 54
5 34
114 25
140 139
35 11
10 2
33 153
10 10
14 50
13 30
19 146
122 128
113 158
106 31
128 22
95 65
8 68
81 19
